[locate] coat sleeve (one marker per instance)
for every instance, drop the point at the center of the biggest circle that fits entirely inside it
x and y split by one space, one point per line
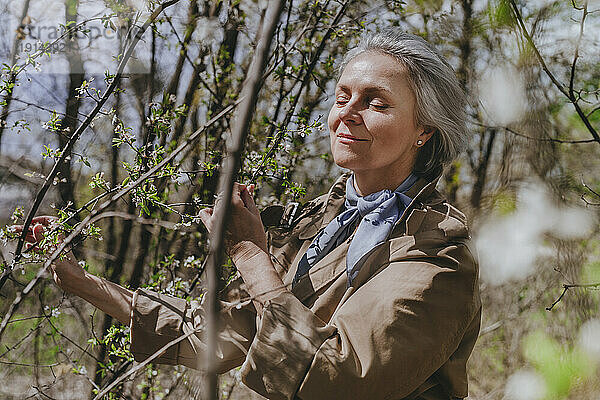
385 341
157 319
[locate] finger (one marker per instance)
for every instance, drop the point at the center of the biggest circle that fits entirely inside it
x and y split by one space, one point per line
38 232
236 196
15 228
249 202
235 188
238 187
44 220
206 217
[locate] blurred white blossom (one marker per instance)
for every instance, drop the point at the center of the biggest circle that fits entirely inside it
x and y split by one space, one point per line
509 245
502 95
589 338
525 385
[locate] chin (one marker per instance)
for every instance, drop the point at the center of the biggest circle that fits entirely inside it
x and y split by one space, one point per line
347 164
347 160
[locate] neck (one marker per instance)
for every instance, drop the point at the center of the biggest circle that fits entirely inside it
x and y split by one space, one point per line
365 184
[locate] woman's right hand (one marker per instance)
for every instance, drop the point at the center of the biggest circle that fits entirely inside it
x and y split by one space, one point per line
109 297
65 269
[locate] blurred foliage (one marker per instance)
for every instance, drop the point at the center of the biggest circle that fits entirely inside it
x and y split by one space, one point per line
562 366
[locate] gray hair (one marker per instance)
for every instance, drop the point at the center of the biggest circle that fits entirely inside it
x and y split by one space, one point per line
440 99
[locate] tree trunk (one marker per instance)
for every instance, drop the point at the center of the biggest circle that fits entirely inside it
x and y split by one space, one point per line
66 186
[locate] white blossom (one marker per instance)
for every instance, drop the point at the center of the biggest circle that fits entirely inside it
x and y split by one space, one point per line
525 385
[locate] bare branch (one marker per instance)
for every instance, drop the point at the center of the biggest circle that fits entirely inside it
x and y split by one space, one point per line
568 286
576 55
585 185
249 94
536 51
510 130
143 221
588 203
593 110
567 92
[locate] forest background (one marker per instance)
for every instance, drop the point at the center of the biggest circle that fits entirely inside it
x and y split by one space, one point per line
134 100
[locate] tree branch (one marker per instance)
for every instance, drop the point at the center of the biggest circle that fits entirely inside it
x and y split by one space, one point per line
569 93
71 142
510 130
94 214
249 94
568 286
143 364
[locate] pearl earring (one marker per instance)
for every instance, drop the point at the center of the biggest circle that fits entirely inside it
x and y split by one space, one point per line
419 142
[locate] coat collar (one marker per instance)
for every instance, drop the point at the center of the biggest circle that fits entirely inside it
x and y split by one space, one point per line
422 190
332 267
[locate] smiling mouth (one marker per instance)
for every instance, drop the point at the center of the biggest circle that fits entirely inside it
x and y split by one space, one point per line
350 137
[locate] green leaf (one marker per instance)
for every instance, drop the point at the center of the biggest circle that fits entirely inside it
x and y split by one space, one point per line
501 14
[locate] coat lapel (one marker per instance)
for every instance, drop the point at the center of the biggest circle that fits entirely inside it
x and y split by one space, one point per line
322 273
333 264
332 206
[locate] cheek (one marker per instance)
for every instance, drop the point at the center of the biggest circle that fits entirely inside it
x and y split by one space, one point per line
331 117
331 126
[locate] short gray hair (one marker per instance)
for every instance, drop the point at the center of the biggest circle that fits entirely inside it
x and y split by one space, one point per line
440 99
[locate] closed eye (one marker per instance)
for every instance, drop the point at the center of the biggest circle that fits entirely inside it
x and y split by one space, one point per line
341 100
378 105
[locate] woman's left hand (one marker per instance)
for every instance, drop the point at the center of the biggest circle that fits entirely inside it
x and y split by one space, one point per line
245 234
246 244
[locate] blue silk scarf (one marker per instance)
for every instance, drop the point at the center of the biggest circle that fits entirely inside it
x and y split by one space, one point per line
376 215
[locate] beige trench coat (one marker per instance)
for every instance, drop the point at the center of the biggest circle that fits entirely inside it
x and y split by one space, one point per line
404 329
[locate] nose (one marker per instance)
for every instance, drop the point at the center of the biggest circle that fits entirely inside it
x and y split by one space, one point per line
349 113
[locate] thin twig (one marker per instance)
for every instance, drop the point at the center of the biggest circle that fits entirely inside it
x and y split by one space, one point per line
139 220
554 140
589 203
62 115
568 286
68 146
94 214
30 365
585 185
143 364
569 94
187 57
577 45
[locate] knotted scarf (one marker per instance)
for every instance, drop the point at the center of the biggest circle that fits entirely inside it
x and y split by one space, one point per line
376 215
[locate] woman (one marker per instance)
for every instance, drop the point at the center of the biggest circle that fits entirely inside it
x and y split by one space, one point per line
370 291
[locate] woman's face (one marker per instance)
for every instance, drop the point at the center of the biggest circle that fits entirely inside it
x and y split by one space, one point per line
372 122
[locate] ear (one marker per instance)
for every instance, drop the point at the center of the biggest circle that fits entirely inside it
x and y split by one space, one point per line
427 133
